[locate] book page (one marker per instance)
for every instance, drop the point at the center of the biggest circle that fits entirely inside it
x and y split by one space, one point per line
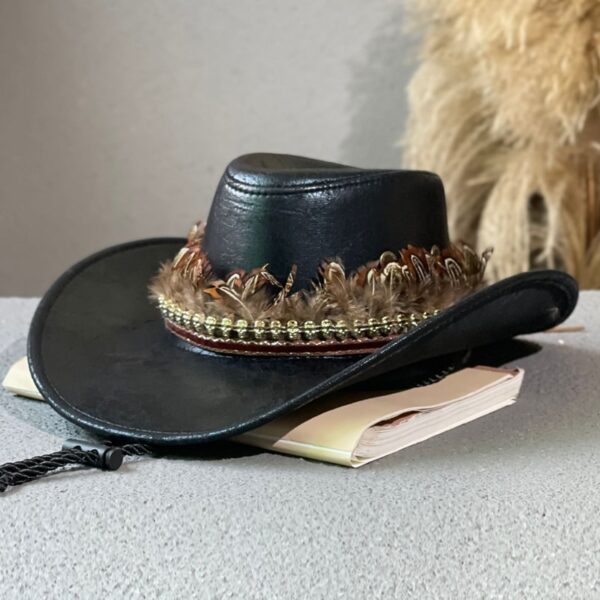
18 380
331 428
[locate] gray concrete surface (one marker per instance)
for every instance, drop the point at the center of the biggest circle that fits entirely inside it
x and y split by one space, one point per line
117 117
504 507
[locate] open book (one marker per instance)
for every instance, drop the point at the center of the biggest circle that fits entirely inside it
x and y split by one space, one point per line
354 428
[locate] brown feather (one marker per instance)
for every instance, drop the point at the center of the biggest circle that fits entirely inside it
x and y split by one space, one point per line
412 279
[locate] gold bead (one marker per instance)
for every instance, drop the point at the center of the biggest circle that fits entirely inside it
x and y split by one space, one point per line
210 324
402 323
292 330
177 314
198 322
170 311
357 328
341 329
326 329
186 319
226 325
309 330
372 327
260 330
275 329
241 328
386 326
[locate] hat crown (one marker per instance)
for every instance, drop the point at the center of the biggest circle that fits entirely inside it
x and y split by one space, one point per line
283 210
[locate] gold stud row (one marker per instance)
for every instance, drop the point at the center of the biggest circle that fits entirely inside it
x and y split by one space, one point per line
292 330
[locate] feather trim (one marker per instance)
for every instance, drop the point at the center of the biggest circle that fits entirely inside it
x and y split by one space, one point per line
398 284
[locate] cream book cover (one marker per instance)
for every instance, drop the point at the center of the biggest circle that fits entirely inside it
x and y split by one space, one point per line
354 428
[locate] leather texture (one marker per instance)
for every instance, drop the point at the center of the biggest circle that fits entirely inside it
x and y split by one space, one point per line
282 210
100 354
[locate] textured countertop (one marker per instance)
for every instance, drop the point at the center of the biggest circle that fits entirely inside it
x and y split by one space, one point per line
504 507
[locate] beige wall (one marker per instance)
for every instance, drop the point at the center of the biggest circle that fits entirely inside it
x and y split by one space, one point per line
117 117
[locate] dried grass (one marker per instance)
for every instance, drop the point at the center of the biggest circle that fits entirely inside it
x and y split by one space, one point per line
504 106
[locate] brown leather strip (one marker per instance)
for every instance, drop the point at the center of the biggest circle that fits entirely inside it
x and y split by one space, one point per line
280 348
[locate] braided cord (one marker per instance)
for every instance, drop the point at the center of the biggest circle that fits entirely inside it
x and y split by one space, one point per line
135 449
18 473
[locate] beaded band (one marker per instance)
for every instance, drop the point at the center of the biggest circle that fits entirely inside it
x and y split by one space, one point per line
289 338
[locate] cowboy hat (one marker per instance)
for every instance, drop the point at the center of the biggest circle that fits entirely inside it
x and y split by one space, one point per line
308 277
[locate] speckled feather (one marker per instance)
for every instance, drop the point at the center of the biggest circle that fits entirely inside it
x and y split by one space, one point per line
404 282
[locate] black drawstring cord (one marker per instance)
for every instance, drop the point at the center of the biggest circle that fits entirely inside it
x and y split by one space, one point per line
74 452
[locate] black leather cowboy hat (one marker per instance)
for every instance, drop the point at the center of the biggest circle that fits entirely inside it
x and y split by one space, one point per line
309 277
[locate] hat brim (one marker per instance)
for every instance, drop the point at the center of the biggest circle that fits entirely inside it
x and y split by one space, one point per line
100 355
